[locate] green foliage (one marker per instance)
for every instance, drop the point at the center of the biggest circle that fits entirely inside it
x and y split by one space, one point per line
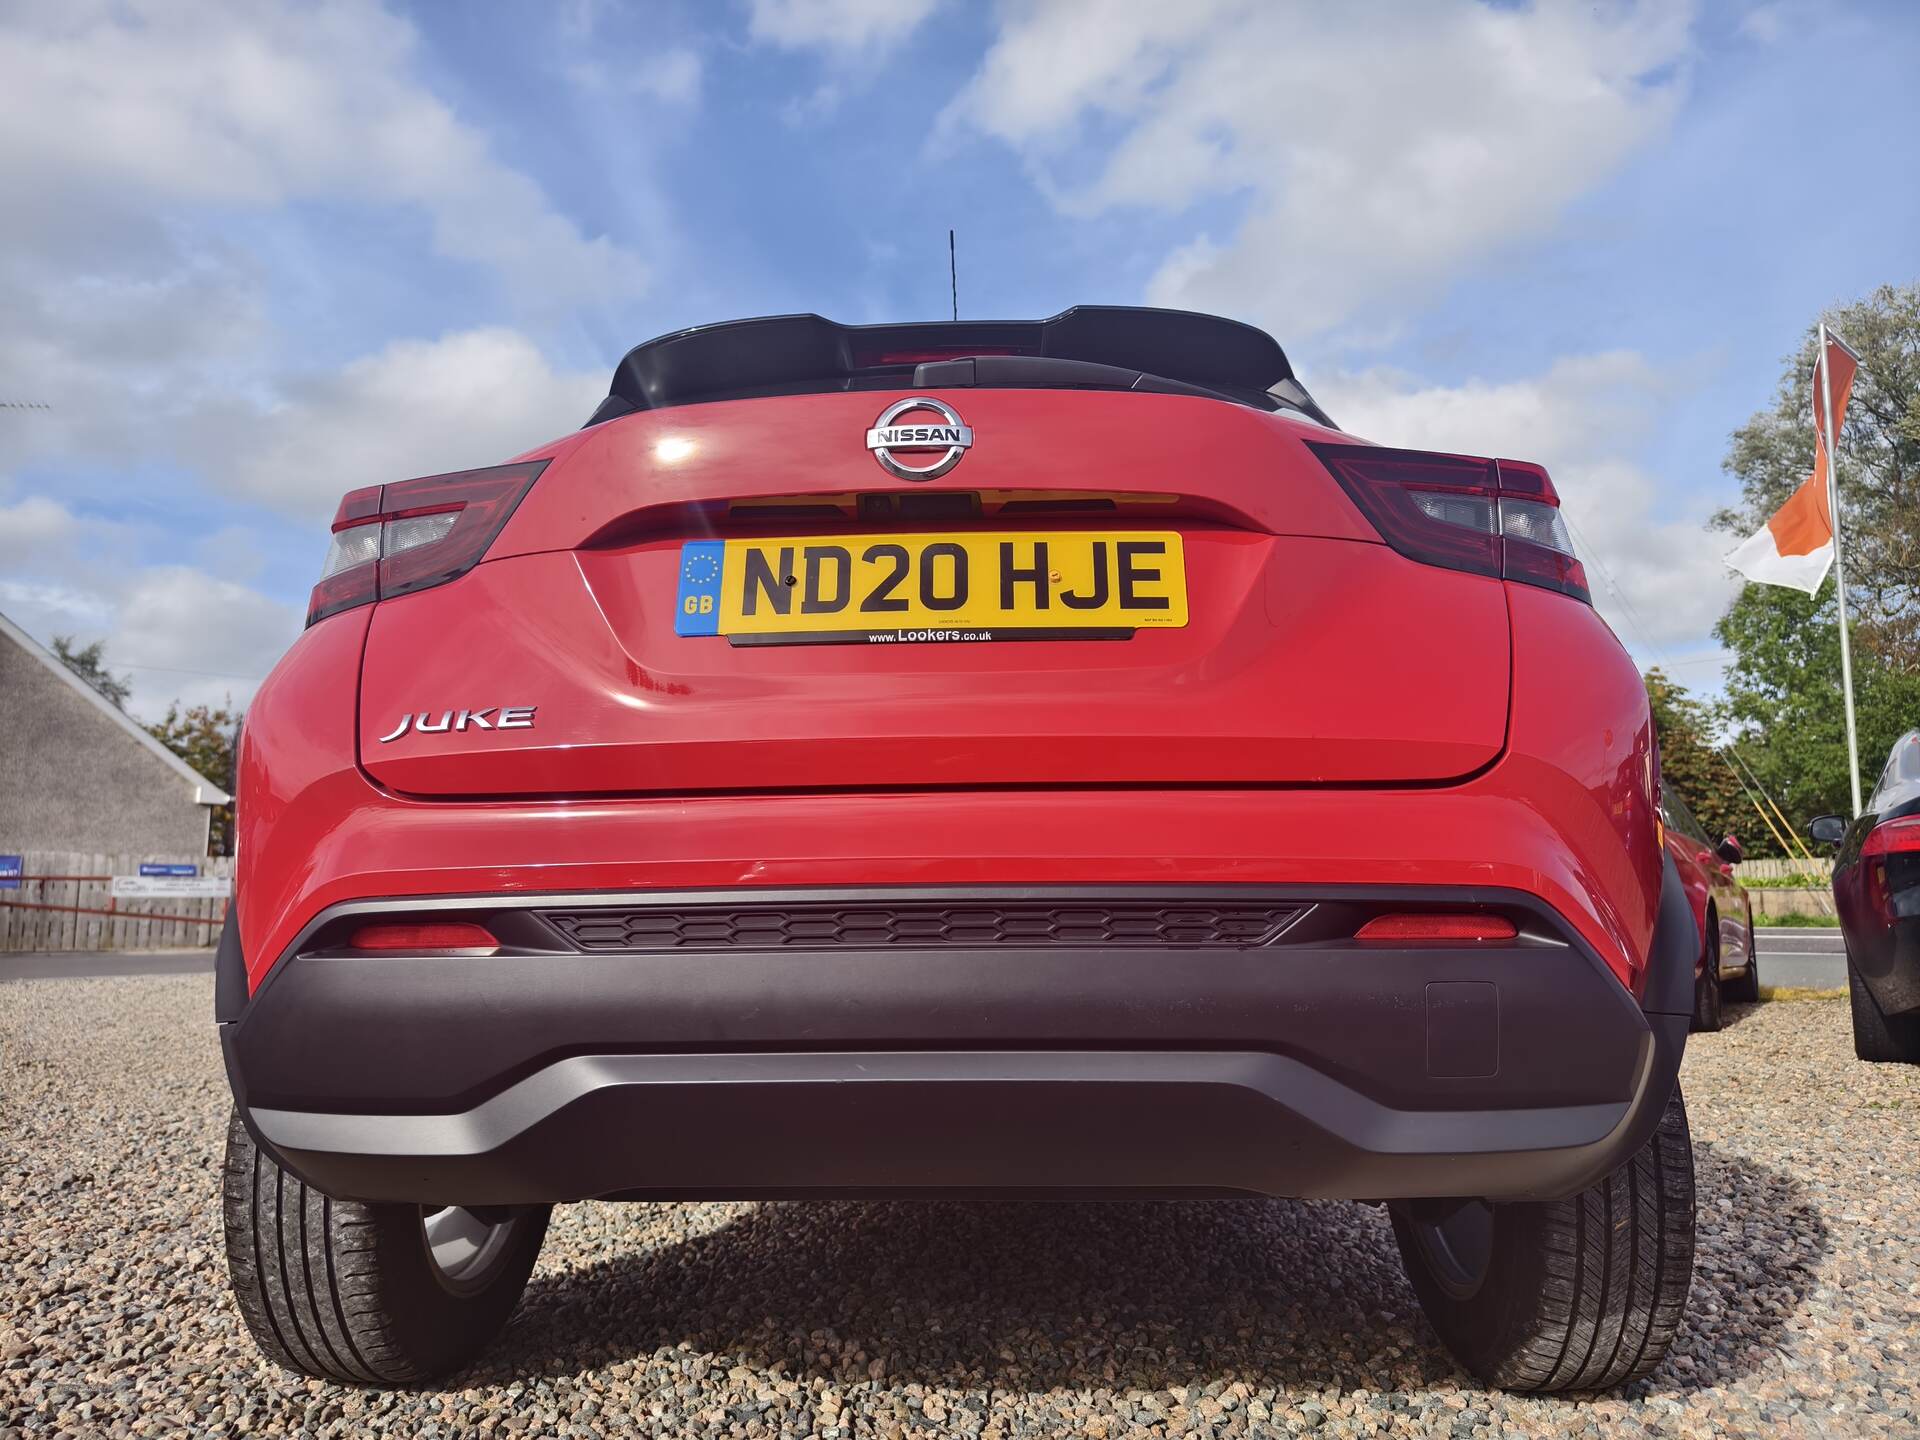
1691 766
205 738
90 665
1783 691
1879 465
1783 688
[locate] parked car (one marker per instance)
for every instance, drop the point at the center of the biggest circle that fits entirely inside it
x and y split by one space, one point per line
1728 965
1876 889
785 787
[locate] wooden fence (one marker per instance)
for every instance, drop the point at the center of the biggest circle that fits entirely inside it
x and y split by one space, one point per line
1820 867
1771 904
65 902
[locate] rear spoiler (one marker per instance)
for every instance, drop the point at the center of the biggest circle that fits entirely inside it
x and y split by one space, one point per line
1090 346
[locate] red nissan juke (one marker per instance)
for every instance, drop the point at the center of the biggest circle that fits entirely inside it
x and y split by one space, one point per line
921 760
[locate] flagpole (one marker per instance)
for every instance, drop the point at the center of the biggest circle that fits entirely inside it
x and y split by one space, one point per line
1839 566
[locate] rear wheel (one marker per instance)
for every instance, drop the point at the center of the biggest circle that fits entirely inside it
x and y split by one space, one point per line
1706 989
1876 1034
367 1294
1577 1294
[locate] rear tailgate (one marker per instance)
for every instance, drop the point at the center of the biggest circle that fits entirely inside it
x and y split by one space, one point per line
1311 653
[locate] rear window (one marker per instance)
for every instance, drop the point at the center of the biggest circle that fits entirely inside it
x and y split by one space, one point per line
1678 817
1900 781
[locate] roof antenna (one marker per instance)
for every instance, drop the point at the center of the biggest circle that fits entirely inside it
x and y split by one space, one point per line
953 274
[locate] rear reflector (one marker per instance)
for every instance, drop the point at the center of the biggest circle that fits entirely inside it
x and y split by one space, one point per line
391 540
436 935
1489 517
1419 929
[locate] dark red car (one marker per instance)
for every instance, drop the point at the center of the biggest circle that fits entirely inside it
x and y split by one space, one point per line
1728 966
972 759
1876 889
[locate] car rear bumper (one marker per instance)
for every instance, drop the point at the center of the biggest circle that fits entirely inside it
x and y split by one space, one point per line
1887 956
1308 1065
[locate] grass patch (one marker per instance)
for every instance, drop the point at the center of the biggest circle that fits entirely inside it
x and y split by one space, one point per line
1799 922
1791 994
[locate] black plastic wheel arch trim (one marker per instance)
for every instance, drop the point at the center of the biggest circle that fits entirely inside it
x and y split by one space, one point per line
229 972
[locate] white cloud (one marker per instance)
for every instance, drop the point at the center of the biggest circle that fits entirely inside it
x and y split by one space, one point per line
175 632
844 26
30 527
1767 24
197 638
672 76
850 34
1584 419
415 407
47 607
1582 405
296 442
147 134
1377 150
118 109
201 633
120 355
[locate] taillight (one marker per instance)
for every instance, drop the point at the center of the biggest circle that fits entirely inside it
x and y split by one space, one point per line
1892 837
1416 929
1888 839
391 540
1490 517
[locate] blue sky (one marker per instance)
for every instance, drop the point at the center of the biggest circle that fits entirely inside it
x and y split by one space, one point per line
257 255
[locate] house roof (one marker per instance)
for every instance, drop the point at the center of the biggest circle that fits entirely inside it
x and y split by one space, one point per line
205 792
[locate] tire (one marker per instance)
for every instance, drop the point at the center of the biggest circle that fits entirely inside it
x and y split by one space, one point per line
1577 1294
347 1291
1706 988
1878 1036
1746 985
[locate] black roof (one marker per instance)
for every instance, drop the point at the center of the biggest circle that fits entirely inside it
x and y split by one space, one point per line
1090 346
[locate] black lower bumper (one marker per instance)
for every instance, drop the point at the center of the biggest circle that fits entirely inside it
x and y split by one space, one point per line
1318 1068
1887 957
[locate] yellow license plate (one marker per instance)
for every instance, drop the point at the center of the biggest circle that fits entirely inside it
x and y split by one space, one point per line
875 589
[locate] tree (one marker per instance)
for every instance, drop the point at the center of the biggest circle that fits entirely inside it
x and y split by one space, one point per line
204 737
90 665
1879 465
1783 696
1692 767
1783 687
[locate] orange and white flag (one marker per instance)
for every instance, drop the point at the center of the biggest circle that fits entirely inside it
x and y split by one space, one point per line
1795 547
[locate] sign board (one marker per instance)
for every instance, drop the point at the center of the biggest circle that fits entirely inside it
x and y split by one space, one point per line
161 867
10 868
170 887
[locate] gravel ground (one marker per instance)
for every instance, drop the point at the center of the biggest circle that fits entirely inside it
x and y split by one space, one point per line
1106 1320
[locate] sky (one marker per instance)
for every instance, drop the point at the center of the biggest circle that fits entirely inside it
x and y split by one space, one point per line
255 255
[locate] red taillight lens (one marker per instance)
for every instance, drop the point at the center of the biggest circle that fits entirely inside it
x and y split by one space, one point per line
1892 837
1488 517
1425 929
433 935
394 539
